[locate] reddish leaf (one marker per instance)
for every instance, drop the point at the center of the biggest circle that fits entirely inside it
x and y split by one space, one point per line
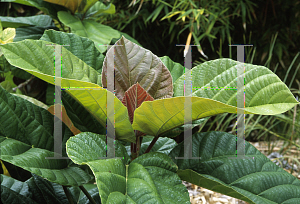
134 97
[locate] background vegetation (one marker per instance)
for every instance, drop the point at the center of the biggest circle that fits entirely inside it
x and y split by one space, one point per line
272 27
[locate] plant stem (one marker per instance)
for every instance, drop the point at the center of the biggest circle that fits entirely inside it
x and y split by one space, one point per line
135 148
68 194
141 139
138 145
24 83
87 194
61 26
151 144
83 16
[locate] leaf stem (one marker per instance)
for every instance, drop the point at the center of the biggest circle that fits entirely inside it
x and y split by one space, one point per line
151 144
83 16
135 148
63 27
24 83
68 194
87 194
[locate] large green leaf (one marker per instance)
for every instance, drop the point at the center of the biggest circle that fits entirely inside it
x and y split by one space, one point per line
26 138
44 191
28 27
95 101
30 32
100 9
160 116
81 118
33 160
86 5
265 93
81 47
15 192
38 190
47 192
15 22
75 73
25 122
95 147
255 180
176 69
136 64
36 58
151 176
100 34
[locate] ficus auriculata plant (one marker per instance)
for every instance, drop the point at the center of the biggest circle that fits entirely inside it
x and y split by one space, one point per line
149 104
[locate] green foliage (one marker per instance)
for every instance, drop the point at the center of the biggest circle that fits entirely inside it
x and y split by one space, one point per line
146 120
68 16
148 101
214 25
255 180
38 190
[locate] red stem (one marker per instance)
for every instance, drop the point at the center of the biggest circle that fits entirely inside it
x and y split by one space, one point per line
151 144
